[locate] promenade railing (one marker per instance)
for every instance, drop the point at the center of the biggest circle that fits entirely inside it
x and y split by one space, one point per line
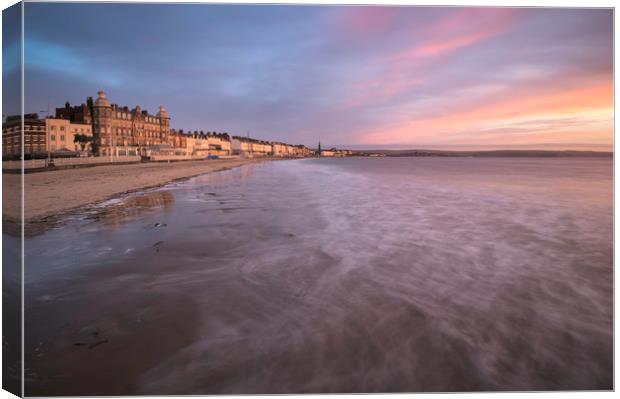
42 163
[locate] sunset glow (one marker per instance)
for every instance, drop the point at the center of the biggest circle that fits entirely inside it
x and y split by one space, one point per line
353 76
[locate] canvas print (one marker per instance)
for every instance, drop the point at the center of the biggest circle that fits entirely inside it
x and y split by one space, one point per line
278 199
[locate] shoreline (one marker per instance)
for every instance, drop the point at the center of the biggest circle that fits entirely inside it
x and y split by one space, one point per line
52 196
206 287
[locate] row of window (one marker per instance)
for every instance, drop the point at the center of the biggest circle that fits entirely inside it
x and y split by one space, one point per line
75 129
148 133
27 128
27 147
105 142
28 137
126 116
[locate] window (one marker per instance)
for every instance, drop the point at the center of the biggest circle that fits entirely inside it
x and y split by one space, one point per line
53 137
62 128
62 137
52 128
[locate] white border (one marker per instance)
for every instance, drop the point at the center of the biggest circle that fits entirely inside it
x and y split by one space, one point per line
509 3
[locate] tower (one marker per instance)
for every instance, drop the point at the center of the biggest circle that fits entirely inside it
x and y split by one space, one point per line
102 123
319 152
164 125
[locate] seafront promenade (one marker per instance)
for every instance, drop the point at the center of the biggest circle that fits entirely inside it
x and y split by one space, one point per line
54 193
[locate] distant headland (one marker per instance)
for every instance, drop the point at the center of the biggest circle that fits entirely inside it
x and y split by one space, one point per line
488 153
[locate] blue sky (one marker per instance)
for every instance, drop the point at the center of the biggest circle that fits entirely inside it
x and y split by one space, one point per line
354 76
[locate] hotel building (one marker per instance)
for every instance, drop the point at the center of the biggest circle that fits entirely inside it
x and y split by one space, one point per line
42 136
60 136
119 131
34 136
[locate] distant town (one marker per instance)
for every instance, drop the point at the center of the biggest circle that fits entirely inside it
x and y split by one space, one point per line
99 128
99 131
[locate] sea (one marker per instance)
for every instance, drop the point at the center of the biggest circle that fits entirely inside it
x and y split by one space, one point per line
321 275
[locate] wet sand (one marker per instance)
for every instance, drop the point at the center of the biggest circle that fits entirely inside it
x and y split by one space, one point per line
54 193
102 347
318 276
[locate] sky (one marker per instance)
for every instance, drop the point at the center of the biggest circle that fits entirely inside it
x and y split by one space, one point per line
352 76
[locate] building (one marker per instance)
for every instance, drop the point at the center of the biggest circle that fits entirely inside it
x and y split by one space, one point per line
200 144
44 136
240 146
34 136
219 144
60 136
80 114
119 131
333 152
289 150
303 151
250 147
279 149
102 128
178 139
197 144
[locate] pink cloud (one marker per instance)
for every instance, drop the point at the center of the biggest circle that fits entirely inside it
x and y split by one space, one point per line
462 28
438 47
365 20
590 106
458 29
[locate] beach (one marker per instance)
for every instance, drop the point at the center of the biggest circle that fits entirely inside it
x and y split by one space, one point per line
54 193
331 275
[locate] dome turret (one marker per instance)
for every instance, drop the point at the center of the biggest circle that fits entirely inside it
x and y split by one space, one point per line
162 112
102 100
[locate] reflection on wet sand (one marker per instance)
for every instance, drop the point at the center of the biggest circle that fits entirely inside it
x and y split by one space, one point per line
133 207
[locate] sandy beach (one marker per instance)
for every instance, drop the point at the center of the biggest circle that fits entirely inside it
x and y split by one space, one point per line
50 194
332 276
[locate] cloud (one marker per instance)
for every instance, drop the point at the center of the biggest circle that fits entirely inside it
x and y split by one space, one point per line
347 75
584 111
364 20
60 59
403 70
